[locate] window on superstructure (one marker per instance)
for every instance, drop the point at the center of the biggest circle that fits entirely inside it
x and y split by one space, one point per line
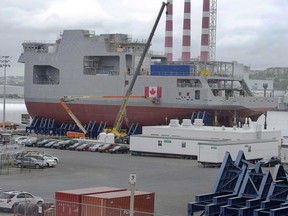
91 64
190 83
105 65
45 75
197 95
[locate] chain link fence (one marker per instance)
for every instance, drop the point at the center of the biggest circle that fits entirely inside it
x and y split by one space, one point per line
65 208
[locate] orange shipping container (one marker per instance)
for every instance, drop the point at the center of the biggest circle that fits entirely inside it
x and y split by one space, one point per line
69 202
118 204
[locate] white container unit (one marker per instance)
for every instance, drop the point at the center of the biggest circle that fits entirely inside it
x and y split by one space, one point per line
183 140
164 145
284 154
213 152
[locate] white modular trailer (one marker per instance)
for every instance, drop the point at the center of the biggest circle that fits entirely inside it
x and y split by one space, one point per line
183 140
284 154
199 131
213 152
164 145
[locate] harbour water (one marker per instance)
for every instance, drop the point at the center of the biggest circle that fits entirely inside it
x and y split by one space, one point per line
14 108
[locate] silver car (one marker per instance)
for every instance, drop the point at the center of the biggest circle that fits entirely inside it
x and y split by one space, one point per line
29 162
10 199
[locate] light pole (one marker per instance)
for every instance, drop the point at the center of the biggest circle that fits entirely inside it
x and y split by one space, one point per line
265 86
4 62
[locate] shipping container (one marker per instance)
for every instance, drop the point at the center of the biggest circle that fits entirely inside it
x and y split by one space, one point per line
68 202
171 70
118 204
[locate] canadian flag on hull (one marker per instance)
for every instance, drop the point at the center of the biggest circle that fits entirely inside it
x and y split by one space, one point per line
153 92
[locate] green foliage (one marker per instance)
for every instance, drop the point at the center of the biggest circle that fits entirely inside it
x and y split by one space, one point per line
280 81
12 96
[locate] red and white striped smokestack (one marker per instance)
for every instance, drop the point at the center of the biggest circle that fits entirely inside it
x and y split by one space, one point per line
169 31
204 55
186 41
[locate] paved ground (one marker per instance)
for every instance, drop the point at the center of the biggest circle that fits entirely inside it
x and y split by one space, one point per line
175 181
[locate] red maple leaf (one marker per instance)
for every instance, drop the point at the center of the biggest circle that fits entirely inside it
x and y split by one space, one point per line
152 91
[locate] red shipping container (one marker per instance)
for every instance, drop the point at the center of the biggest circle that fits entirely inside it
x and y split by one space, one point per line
118 204
69 202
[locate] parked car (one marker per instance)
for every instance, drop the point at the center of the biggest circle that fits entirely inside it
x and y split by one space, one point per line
84 147
106 147
29 153
18 137
41 143
10 199
119 149
48 161
31 141
74 146
42 154
50 144
56 145
95 147
270 161
66 144
29 162
21 140
52 157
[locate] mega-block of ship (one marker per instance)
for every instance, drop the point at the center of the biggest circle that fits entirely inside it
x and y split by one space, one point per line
95 72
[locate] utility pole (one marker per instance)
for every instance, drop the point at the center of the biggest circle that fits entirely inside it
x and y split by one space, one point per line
4 62
132 182
265 86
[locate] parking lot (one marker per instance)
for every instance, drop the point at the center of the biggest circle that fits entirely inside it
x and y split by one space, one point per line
175 181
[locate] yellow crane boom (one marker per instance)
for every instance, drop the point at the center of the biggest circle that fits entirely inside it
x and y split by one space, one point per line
115 129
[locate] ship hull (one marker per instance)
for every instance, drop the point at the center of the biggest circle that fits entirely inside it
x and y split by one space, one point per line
134 114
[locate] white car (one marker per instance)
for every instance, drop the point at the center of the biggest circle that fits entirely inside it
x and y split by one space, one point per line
21 139
9 199
52 157
49 161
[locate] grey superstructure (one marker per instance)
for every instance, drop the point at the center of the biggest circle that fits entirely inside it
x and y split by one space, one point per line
95 72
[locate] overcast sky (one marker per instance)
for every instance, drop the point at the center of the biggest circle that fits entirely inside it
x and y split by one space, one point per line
252 32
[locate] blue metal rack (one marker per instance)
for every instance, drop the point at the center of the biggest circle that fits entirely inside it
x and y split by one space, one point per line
42 126
91 128
254 190
227 185
277 198
101 127
205 116
134 129
242 188
33 125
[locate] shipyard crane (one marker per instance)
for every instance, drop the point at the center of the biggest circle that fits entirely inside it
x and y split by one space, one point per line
118 120
76 120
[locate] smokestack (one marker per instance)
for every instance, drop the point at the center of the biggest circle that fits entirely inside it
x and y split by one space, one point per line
186 41
204 55
169 31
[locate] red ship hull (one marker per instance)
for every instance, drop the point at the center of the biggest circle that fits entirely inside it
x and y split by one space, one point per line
134 114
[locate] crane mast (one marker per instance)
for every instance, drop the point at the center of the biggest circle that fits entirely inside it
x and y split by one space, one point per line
115 129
